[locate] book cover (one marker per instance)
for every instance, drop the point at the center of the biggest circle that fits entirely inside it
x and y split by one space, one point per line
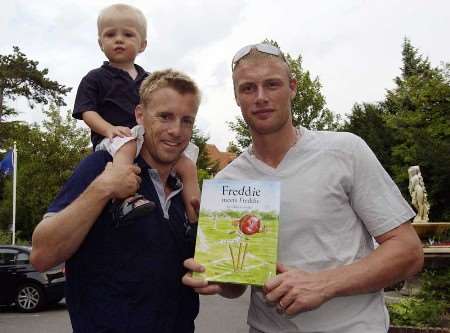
237 236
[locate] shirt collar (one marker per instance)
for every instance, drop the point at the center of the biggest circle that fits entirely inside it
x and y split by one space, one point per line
119 72
173 181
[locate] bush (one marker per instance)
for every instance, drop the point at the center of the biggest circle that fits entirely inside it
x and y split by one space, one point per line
6 237
417 312
429 307
436 285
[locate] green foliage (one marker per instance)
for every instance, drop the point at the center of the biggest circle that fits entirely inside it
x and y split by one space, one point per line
429 307
6 238
19 76
206 168
369 122
412 127
416 312
242 132
418 111
436 285
47 155
233 148
308 107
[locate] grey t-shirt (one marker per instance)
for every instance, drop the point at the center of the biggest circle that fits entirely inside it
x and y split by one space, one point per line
335 197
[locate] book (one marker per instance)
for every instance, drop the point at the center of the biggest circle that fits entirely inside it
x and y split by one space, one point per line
237 235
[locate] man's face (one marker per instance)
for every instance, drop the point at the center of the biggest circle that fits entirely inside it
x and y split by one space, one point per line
120 40
168 120
264 92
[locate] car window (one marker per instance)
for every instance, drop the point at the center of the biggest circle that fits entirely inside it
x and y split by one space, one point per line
22 258
7 256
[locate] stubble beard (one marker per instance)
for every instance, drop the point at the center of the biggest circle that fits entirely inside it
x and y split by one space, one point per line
254 129
160 158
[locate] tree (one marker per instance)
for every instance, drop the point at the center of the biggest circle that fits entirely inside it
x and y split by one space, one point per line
19 76
412 127
205 167
308 107
233 148
47 155
418 114
368 121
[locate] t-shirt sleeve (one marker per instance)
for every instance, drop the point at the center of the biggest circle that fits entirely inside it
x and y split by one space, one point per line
192 152
87 98
84 174
374 196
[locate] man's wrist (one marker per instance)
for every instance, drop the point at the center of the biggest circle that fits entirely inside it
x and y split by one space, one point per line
102 188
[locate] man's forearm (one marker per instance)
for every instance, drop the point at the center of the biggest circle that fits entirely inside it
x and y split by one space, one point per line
56 238
399 256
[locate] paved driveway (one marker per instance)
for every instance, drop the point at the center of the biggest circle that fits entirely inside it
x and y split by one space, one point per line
217 315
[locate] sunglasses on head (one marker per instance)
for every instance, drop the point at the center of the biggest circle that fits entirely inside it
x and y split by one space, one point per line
262 47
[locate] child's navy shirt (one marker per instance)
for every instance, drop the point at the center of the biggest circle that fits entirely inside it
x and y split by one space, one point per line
112 93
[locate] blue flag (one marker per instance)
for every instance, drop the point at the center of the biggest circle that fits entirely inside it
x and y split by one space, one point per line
6 165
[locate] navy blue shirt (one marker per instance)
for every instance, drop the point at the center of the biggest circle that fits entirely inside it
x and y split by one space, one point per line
112 93
128 279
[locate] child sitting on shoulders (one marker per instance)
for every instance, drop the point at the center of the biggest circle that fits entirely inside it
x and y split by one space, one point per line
106 100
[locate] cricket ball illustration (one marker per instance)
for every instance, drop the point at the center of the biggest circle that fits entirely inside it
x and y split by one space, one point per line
248 226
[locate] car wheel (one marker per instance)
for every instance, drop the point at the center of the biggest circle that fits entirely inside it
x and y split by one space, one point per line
29 297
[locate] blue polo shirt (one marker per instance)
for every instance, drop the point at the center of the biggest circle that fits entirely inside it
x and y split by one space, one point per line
128 278
112 93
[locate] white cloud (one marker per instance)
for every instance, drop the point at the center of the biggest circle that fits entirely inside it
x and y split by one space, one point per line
352 45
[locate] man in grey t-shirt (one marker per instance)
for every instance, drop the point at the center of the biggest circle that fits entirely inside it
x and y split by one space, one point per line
335 198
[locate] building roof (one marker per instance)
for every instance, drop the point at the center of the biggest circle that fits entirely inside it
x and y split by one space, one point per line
222 157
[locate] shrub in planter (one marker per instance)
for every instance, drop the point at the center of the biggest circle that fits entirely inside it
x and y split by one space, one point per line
436 285
416 312
429 307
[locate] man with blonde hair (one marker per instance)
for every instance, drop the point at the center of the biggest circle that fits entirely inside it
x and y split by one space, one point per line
127 277
336 198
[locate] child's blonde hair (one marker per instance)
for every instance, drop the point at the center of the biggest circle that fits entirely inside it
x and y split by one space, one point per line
122 10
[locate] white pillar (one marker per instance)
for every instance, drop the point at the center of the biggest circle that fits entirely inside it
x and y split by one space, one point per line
14 194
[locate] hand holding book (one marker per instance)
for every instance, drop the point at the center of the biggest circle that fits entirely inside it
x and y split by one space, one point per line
203 287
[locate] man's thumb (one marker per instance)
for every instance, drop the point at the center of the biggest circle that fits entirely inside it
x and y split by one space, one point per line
281 268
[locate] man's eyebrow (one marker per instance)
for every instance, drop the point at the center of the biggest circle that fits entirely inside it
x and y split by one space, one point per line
163 112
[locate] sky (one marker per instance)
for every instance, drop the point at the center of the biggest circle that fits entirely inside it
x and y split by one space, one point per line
353 46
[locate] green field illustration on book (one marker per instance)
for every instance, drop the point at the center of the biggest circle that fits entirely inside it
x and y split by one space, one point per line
237 236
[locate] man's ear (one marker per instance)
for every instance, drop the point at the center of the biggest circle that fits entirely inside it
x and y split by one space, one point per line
235 96
139 114
293 88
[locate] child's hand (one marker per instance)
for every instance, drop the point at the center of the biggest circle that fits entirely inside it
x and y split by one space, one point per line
120 131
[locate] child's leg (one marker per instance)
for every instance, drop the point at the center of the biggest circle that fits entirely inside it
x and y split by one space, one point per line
135 206
191 191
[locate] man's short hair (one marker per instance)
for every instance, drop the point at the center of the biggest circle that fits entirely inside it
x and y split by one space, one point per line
168 78
123 10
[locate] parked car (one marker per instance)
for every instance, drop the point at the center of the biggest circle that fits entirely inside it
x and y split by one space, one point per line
22 285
